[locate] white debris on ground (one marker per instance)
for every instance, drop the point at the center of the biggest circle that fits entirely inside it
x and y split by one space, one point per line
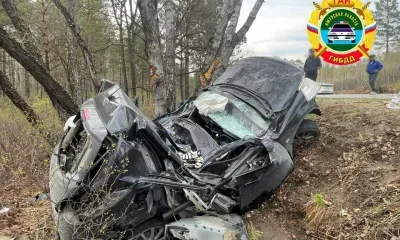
4 211
395 103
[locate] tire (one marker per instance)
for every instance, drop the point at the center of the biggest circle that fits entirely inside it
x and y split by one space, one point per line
354 41
152 229
329 41
307 131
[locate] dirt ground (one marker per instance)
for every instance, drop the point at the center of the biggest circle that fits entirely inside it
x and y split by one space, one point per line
349 179
346 185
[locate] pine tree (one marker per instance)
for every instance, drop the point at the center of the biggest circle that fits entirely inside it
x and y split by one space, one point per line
387 16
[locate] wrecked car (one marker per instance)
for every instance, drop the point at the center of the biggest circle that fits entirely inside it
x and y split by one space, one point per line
116 174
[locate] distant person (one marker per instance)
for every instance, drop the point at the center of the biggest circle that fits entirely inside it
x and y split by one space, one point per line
373 68
312 65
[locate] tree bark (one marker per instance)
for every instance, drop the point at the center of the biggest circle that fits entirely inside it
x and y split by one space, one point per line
45 37
55 91
17 100
72 65
228 44
170 36
149 16
233 39
20 103
229 39
214 45
23 29
82 44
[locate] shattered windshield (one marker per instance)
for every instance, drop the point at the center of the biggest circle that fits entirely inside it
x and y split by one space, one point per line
233 115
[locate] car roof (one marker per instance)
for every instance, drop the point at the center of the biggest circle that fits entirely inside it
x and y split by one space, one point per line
273 79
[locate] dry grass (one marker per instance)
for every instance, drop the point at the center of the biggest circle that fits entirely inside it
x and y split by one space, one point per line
355 166
24 163
345 186
317 211
253 232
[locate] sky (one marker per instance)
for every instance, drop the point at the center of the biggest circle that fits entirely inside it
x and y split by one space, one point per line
279 29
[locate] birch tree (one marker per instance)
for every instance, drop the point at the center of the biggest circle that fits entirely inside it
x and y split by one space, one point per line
225 38
233 38
150 23
217 52
170 38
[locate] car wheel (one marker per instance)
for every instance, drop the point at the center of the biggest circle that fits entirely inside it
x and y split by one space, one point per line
150 230
354 41
308 130
329 41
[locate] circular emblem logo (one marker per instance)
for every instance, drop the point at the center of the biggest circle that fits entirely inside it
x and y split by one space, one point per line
341 31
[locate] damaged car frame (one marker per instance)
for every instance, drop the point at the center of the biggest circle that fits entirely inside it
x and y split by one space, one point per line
115 174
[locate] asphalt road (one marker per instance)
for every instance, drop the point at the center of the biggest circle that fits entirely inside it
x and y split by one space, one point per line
358 96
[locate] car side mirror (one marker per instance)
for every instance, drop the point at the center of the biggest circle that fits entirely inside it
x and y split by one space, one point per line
330 28
352 28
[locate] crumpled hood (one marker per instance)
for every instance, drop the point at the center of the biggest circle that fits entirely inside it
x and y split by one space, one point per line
273 79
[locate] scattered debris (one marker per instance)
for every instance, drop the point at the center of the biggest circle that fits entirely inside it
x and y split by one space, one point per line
39 197
4 211
395 103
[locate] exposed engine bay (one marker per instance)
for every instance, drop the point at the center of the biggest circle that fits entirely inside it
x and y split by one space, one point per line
116 174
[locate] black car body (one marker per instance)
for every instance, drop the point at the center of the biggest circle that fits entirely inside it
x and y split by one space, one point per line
116 174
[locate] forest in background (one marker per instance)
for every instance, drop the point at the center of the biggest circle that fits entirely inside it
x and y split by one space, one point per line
127 41
148 47
353 78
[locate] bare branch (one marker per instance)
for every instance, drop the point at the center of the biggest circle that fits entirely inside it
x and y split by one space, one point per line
82 44
56 92
249 21
22 28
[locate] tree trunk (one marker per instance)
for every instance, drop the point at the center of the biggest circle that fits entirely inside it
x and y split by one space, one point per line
23 29
232 39
82 44
181 75
55 91
4 62
228 44
27 85
17 100
73 75
170 21
121 43
45 37
131 45
11 67
18 82
214 45
187 76
20 103
149 16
